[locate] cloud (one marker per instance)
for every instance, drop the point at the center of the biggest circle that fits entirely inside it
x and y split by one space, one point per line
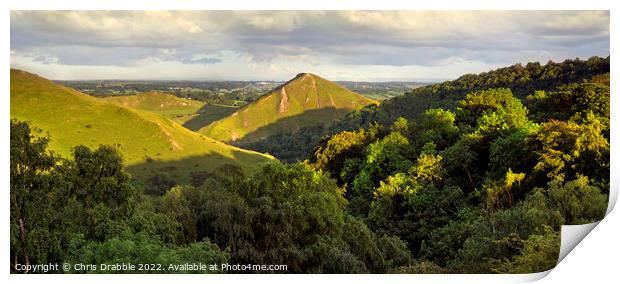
351 38
202 60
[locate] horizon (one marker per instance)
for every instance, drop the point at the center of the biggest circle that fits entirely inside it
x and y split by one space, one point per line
229 80
420 80
356 46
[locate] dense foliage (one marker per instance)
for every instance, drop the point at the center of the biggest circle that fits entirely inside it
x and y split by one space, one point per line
86 210
484 188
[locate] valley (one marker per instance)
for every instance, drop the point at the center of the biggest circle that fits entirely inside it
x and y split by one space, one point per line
435 166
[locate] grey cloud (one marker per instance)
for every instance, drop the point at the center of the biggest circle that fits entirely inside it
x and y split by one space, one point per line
94 56
206 60
347 37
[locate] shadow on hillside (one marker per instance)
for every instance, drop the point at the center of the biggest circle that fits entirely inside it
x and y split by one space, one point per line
292 124
291 141
181 170
207 114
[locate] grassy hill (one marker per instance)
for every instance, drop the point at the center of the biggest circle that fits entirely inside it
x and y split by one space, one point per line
303 101
178 109
190 113
149 142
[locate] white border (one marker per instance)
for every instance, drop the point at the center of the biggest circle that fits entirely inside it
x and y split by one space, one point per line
595 258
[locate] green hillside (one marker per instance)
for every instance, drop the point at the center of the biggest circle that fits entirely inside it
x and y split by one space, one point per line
190 113
178 109
148 141
304 101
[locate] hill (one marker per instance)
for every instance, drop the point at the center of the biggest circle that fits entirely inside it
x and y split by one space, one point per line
522 80
303 101
148 141
190 113
178 109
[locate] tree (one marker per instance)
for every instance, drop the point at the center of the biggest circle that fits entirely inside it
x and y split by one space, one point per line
383 158
564 148
511 152
141 248
52 199
492 110
161 182
330 155
539 253
176 205
436 126
578 201
32 195
463 159
99 176
288 214
573 101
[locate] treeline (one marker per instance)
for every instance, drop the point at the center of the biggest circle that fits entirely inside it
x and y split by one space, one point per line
521 80
484 188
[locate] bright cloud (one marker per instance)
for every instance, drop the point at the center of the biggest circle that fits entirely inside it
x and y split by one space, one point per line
351 45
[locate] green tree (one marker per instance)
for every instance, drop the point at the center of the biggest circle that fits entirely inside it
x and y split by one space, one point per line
436 126
32 195
539 253
98 176
383 158
287 214
565 148
492 110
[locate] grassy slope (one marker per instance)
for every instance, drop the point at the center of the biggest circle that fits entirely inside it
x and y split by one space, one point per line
72 118
190 113
173 107
157 102
306 92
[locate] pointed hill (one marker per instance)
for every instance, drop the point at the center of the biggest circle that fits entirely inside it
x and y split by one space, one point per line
303 101
148 141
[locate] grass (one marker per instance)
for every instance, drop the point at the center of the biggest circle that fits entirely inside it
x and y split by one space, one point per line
305 92
168 105
189 113
146 139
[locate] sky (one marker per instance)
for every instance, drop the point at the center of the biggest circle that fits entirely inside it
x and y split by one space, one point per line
276 45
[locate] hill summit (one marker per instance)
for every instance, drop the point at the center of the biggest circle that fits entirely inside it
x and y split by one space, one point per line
305 100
